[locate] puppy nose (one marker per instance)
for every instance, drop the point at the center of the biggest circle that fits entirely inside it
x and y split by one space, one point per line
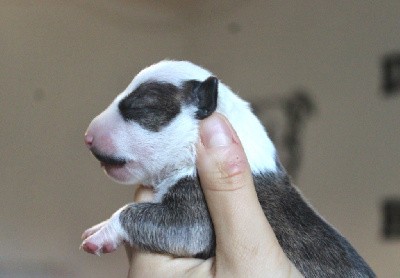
88 140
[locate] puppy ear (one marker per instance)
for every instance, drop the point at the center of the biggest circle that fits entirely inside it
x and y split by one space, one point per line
206 94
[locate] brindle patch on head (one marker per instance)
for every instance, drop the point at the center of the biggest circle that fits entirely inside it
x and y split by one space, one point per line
152 105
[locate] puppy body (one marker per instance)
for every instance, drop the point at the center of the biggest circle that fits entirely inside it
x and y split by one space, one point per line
148 135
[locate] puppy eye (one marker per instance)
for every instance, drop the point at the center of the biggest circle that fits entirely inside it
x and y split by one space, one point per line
125 106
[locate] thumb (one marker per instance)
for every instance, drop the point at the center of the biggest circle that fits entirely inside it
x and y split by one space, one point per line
225 175
246 244
227 183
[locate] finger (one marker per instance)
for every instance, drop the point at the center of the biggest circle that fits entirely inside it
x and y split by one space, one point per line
143 194
242 231
145 264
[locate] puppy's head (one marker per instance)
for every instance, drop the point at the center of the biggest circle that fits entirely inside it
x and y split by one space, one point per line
149 131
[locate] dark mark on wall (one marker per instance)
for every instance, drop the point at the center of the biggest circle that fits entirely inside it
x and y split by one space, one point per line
285 118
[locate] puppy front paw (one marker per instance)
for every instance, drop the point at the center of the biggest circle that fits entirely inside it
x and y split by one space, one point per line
104 237
94 229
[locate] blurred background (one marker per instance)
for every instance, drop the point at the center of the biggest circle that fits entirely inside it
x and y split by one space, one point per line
63 62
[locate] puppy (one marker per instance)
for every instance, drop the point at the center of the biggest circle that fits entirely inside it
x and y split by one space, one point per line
147 136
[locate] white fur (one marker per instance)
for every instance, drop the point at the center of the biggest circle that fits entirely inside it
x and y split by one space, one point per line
151 155
257 145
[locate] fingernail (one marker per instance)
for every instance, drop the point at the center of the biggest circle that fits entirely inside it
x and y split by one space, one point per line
215 131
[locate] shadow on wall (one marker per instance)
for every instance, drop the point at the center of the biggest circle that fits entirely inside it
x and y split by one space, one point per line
285 118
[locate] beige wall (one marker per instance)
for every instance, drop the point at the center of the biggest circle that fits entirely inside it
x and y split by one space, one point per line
62 62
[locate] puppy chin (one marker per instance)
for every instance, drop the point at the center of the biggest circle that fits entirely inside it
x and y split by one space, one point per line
119 174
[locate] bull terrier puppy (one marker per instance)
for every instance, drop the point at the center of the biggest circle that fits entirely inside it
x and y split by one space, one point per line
148 135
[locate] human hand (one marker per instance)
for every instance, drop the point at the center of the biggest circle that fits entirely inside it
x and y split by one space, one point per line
246 244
